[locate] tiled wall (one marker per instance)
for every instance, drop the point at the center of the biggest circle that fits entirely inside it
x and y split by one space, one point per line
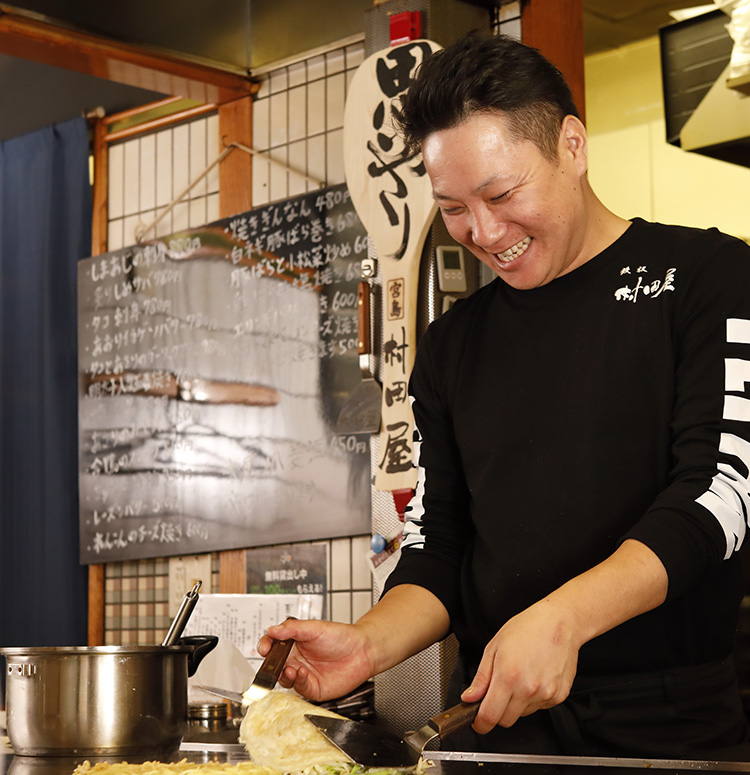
298 119
136 601
136 607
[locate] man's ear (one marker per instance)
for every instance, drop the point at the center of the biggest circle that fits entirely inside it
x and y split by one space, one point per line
574 141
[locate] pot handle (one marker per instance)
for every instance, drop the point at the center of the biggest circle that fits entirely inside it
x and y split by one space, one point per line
202 645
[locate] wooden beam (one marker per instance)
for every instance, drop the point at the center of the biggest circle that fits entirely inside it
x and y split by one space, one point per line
555 27
152 125
30 36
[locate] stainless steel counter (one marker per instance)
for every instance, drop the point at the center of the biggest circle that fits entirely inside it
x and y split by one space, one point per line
443 763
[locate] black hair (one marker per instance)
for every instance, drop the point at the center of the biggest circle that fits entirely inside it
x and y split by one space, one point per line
487 74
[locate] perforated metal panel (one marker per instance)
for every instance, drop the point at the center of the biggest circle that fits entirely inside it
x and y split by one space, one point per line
409 693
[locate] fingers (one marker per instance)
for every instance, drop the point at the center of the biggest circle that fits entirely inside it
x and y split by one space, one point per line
290 628
295 678
287 677
504 704
478 687
507 694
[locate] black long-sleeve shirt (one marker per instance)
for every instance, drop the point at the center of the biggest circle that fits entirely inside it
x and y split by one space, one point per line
558 421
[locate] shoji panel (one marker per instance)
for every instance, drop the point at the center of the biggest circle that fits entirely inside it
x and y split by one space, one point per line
298 120
147 173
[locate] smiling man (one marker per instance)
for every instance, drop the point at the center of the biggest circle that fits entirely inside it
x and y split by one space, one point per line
583 447
496 194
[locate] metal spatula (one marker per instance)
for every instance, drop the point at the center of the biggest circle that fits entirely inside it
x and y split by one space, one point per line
265 679
371 747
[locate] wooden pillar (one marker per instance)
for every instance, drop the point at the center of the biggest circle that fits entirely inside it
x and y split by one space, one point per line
235 196
555 27
232 572
99 220
235 126
96 606
95 631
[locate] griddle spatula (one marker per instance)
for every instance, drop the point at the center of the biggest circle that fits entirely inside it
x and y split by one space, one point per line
265 679
371 747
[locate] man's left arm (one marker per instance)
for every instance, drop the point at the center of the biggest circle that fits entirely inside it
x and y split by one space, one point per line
531 662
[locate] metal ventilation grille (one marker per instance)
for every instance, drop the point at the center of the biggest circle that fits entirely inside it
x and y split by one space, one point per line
413 691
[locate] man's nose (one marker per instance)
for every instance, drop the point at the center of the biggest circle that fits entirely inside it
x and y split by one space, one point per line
487 230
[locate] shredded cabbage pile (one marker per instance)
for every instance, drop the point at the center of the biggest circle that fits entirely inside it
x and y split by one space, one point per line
276 734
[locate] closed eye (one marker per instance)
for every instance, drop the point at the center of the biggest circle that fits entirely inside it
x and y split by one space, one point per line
451 210
501 197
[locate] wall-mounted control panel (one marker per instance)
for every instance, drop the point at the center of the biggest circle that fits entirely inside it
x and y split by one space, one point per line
451 271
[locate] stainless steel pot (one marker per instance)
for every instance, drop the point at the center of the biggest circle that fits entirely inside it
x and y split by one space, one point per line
100 700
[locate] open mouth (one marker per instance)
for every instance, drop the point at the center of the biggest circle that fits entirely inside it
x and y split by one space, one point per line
514 252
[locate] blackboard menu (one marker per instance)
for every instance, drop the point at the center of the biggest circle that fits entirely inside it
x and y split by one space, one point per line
213 366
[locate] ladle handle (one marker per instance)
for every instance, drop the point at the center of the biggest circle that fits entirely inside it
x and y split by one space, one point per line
182 616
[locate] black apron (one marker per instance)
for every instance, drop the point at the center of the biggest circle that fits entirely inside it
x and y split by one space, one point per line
685 713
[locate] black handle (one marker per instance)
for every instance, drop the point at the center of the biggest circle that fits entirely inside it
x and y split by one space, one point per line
202 645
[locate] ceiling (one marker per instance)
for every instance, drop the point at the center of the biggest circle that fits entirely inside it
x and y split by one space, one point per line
36 95
610 24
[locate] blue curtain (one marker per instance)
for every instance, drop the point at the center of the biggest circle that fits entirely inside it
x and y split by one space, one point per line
45 227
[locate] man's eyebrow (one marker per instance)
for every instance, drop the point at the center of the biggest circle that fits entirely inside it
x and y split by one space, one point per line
485 184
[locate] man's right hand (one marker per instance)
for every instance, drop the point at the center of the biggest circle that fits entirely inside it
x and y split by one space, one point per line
328 660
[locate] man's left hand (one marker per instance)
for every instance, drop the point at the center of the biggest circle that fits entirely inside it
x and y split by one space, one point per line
530 664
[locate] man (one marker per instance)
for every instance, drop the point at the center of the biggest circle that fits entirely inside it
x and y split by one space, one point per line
584 445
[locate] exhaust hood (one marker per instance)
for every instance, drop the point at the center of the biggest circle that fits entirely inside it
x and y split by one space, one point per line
720 125
705 111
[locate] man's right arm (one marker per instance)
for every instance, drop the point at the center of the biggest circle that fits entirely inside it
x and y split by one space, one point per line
331 659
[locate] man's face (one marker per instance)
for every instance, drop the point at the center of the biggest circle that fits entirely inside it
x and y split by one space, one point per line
516 211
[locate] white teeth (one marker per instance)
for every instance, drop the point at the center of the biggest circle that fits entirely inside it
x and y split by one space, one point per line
515 251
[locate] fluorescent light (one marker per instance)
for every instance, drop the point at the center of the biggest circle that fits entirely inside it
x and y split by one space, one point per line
689 13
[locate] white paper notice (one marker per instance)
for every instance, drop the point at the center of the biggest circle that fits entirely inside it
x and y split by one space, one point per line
243 619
